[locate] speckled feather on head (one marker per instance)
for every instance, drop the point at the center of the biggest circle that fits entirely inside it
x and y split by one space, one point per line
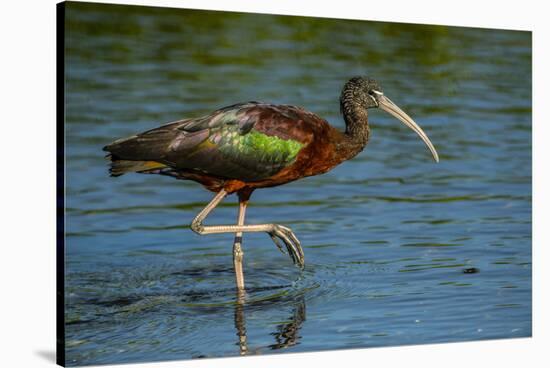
253 145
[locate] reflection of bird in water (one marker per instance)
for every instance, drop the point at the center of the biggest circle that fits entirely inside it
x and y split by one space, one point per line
240 323
286 334
252 145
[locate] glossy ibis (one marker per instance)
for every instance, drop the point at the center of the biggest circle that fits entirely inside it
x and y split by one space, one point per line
251 145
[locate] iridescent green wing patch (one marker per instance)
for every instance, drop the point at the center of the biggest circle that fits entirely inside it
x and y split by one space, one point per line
256 151
277 149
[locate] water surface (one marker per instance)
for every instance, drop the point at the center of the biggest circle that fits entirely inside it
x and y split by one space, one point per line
387 236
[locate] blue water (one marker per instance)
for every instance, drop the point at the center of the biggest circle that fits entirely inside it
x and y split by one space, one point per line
387 236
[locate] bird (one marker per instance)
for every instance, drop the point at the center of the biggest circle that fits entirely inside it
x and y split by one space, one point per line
253 145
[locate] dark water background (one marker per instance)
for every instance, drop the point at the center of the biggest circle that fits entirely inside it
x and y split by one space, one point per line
386 236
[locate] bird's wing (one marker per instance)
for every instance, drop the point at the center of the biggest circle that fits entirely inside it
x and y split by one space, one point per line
247 141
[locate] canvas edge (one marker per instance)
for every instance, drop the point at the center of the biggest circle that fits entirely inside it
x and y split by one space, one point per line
60 183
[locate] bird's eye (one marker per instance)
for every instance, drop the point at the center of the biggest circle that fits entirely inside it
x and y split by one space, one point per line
372 95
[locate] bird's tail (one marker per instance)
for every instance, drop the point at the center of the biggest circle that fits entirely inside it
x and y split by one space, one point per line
120 167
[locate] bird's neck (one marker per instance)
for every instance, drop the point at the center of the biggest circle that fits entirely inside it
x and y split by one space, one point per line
357 131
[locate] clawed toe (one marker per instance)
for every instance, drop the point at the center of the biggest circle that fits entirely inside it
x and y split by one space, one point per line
277 243
293 246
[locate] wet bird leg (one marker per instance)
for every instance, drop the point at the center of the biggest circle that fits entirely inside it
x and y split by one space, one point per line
237 249
277 232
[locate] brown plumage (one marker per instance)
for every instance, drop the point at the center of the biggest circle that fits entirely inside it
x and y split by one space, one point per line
169 149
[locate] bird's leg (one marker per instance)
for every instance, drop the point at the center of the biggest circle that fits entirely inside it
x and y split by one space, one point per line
277 232
237 249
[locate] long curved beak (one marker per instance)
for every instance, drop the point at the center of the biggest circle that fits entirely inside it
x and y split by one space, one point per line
388 106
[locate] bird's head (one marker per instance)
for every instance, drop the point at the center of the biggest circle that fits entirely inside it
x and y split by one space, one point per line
368 94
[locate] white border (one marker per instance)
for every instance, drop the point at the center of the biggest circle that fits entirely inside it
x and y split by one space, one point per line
27 146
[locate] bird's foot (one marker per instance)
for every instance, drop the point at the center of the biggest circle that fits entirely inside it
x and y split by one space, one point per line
293 246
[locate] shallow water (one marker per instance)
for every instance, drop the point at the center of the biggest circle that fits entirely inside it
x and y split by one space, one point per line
387 236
